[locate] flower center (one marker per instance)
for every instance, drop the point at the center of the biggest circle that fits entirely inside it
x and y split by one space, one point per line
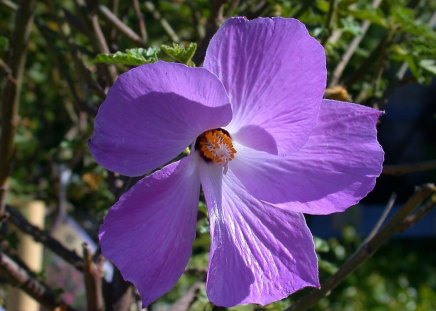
216 146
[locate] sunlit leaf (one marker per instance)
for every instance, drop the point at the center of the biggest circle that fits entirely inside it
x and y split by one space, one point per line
130 57
179 53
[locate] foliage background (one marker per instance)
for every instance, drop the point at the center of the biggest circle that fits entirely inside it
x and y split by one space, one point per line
66 77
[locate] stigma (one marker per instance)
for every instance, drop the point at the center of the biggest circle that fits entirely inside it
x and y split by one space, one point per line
216 146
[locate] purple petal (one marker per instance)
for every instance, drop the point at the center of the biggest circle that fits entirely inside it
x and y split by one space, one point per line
259 254
148 233
335 169
153 112
275 74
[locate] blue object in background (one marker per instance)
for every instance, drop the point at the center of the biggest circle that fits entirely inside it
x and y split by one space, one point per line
363 218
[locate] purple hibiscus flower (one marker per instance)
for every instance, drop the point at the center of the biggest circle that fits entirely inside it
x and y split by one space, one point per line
265 148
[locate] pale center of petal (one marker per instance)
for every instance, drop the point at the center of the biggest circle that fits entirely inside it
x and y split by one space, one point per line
216 146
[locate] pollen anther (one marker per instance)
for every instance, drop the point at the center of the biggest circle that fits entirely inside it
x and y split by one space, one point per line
216 146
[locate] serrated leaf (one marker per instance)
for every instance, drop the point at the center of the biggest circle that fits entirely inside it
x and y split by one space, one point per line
130 57
179 53
4 43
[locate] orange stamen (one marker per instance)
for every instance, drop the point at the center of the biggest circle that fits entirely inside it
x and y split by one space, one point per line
216 146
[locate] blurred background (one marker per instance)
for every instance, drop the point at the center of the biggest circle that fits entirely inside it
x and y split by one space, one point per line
380 53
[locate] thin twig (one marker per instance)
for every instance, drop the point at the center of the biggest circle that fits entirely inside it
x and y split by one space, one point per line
118 24
9 4
102 43
59 59
417 216
328 22
232 7
6 69
11 91
365 251
402 169
141 20
43 237
164 23
375 57
185 302
92 6
214 21
82 70
304 7
20 275
337 73
382 218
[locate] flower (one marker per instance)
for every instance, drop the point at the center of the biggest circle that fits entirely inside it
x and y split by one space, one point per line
265 148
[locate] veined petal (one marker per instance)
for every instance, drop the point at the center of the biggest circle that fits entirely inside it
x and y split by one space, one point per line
335 169
148 233
153 112
275 74
259 254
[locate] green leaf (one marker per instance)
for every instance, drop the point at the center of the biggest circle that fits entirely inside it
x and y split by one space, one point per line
429 65
130 57
327 266
374 16
321 245
350 25
4 43
179 53
423 48
323 5
405 19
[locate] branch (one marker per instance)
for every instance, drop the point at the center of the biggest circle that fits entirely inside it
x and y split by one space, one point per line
402 169
328 23
164 23
365 251
411 220
21 276
11 91
101 40
185 302
141 20
214 21
304 7
102 44
118 24
374 58
118 294
337 73
383 217
43 237
83 72
93 276
60 61
9 4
